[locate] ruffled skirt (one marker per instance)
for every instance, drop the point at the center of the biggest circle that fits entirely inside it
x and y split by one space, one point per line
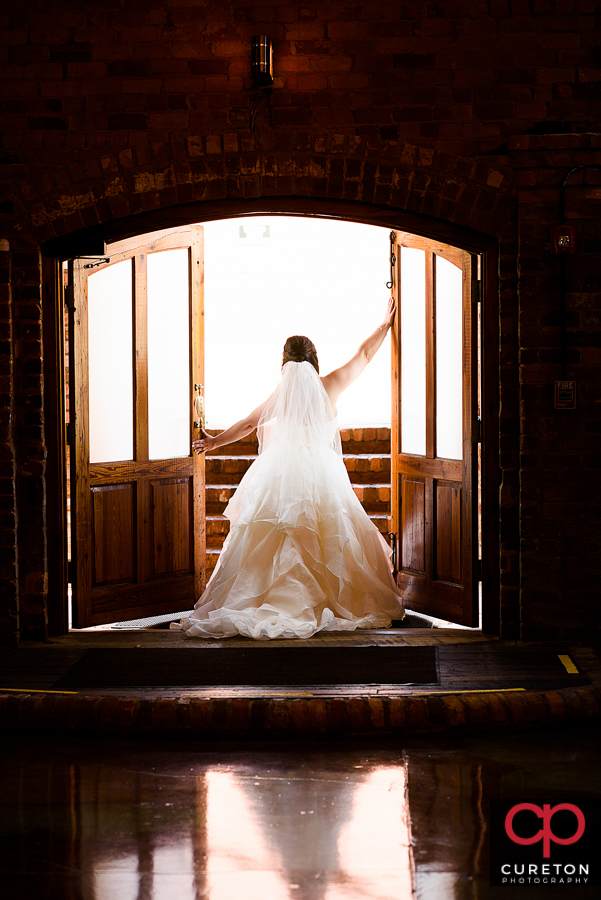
302 555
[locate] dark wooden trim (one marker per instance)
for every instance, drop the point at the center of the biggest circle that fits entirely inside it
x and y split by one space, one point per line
452 254
469 536
395 397
142 489
490 412
430 354
91 240
421 466
197 376
54 427
140 356
81 498
113 472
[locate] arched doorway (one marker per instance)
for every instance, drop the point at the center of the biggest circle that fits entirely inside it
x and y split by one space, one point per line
481 253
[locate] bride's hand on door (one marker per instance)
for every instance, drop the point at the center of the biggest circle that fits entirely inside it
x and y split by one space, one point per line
204 444
389 317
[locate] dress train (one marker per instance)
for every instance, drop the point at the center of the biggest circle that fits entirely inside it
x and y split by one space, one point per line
302 555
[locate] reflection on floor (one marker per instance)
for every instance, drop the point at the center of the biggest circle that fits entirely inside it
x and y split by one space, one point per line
149 820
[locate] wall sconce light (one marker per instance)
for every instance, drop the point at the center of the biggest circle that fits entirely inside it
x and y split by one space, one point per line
262 61
262 72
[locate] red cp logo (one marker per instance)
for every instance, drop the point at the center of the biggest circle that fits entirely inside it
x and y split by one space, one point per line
545 834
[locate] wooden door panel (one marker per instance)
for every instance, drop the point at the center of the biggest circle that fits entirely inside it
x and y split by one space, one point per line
422 467
114 473
113 529
419 592
139 524
448 531
152 598
171 503
434 501
413 525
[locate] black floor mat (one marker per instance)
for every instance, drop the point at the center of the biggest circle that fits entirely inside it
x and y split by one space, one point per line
164 667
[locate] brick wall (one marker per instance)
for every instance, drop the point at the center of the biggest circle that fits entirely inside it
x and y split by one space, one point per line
9 566
23 569
80 78
130 109
560 449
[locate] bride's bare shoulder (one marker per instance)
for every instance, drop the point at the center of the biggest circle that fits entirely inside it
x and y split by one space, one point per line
330 391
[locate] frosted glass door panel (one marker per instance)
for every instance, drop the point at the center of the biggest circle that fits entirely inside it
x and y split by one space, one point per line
413 351
449 405
110 339
168 355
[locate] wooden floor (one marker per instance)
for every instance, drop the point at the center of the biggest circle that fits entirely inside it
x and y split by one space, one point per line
468 661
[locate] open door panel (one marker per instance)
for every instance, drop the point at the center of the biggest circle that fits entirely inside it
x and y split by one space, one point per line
435 429
138 534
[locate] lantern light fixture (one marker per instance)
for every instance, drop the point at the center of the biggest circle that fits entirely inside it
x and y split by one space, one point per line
262 61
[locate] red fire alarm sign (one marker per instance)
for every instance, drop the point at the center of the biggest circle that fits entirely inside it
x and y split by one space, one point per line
565 395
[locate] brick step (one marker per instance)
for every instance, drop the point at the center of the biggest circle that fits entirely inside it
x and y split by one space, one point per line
217 496
367 468
382 522
212 557
218 528
247 447
375 498
362 469
354 441
227 469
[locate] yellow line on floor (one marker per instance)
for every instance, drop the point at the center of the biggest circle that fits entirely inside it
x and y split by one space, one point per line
33 691
569 665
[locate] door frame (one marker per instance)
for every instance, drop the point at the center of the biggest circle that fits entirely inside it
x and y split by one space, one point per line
93 239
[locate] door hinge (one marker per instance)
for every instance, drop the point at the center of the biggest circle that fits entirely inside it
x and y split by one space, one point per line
478 570
69 296
71 571
390 284
71 433
477 432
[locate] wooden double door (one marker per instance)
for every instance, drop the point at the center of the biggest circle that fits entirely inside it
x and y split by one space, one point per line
435 428
137 495
135 398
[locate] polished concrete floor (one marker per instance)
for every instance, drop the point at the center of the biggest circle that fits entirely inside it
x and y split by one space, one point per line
104 819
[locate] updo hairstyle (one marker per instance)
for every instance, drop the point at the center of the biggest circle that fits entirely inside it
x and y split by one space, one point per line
300 349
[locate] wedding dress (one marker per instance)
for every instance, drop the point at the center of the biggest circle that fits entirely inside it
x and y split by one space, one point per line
302 555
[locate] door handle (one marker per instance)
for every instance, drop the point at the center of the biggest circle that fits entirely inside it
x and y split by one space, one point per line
199 407
392 539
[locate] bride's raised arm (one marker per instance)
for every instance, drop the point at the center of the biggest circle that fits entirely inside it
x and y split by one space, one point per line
234 433
338 380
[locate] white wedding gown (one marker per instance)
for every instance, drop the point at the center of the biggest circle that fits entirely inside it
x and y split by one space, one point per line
302 555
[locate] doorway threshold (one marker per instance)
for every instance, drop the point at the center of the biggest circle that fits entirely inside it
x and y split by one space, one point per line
413 620
483 683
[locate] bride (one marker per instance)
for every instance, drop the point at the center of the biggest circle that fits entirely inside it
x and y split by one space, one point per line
302 555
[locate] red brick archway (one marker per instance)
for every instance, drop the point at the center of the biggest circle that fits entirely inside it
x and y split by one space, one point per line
73 211
432 186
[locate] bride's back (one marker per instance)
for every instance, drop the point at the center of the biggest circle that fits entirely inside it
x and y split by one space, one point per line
299 412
